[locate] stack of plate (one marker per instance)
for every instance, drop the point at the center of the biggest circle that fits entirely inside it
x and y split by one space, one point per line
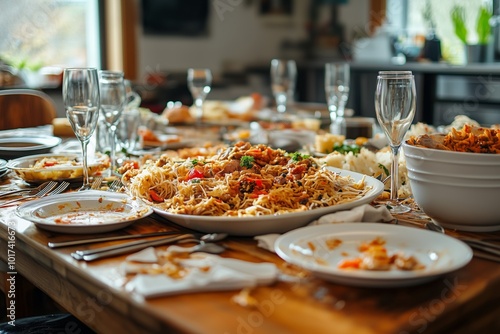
3 168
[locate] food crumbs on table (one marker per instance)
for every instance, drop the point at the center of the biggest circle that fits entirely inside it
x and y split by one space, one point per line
244 299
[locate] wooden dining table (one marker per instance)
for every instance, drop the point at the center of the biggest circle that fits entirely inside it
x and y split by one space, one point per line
462 301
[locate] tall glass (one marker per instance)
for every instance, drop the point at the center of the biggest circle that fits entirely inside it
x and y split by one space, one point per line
113 100
395 103
80 90
337 92
199 82
283 78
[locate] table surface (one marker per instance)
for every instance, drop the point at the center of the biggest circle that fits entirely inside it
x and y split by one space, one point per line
458 302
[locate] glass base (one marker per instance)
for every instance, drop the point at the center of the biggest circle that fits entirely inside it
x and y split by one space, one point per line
396 208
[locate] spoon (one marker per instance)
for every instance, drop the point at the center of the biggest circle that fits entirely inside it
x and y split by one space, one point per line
206 245
201 247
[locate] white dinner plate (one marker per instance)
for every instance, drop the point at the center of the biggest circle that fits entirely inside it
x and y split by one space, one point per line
14 147
65 171
307 248
89 211
251 226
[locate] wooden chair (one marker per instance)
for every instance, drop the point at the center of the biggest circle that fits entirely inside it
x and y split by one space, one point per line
24 108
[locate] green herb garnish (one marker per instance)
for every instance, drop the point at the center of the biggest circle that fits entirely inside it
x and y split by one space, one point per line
296 156
246 161
386 171
194 162
355 149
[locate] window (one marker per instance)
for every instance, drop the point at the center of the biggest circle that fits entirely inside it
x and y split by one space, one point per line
408 18
50 33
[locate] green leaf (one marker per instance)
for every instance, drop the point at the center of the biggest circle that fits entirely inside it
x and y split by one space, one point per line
483 25
247 161
386 171
297 156
458 19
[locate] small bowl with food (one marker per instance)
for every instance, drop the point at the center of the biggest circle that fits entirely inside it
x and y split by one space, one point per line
56 167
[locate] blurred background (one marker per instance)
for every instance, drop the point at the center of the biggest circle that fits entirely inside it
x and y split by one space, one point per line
155 41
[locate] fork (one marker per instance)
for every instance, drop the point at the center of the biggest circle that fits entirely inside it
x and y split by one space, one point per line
51 185
28 191
115 185
62 187
96 183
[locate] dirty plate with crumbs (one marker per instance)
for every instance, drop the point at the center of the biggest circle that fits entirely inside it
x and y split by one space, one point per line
84 212
323 249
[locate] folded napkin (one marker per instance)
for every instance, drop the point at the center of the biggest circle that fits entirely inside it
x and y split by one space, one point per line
362 213
205 272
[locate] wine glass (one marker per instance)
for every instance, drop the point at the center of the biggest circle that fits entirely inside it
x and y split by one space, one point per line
283 77
337 93
80 90
113 100
199 83
395 101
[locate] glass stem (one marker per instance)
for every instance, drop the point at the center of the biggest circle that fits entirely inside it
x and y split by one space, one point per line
85 168
112 153
199 110
394 173
281 103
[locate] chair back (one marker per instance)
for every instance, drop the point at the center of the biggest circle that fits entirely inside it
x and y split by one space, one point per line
24 108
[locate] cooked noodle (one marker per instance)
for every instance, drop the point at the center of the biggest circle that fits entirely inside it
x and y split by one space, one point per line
244 180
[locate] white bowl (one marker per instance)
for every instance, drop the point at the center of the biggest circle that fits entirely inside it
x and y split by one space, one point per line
452 156
453 180
467 208
460 164
457 190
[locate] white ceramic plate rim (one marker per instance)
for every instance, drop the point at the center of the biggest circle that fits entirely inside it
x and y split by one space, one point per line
27 211
250 226
14 163
458 253
42 141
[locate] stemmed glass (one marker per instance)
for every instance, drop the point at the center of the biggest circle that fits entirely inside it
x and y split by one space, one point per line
395 102
283 78
80 90
337 93
199 83
113 100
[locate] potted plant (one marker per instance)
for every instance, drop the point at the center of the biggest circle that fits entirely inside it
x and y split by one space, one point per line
474 52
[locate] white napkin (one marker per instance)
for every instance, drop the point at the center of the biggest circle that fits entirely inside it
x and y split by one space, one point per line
223 274
362 213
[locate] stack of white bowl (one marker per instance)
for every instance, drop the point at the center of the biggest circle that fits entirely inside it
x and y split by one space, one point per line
456 189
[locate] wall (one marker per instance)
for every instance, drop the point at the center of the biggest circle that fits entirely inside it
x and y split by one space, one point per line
237 37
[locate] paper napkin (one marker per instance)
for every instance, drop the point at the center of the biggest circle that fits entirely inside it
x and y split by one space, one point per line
362 213
205 272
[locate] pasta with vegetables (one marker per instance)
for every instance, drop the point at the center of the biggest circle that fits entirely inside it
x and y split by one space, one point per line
243 180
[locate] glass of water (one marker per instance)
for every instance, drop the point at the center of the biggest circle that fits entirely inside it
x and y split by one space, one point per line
337 93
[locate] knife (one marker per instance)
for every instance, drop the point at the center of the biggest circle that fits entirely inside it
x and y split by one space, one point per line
113 238
127 248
